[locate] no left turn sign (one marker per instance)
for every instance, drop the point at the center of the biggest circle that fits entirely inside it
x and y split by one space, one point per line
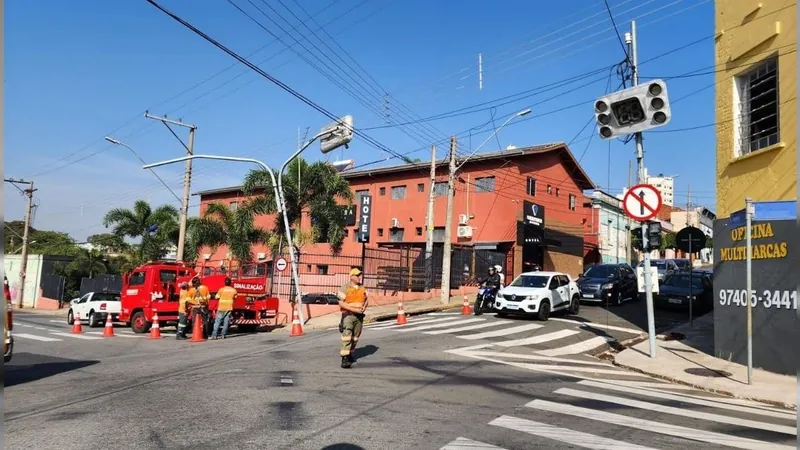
642 202
281 264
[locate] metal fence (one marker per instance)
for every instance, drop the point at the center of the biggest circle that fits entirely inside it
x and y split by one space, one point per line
110 283
52 286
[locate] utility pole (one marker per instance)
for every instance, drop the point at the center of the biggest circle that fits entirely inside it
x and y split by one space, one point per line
630 229
429 223
23 268
187 177
448 224
648 282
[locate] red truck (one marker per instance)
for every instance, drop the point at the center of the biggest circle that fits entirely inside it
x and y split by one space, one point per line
155 286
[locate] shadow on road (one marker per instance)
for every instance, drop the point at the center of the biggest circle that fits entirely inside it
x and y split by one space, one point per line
342 446
27 367
363 352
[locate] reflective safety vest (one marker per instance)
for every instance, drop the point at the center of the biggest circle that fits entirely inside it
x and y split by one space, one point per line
226 296
182 299
354 294
199 295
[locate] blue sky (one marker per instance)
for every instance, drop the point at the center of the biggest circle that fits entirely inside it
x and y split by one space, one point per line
78 71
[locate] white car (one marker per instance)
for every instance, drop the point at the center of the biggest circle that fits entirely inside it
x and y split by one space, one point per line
94 308
539 293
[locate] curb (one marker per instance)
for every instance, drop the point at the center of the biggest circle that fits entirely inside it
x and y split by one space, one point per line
705 388
41 312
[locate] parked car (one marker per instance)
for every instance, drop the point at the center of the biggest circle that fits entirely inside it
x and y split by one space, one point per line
684 265
95 307
665 267
609 284
675 292
539 294
328 298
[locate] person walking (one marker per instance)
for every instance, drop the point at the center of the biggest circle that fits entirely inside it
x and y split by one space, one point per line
226 295
183 298
352 302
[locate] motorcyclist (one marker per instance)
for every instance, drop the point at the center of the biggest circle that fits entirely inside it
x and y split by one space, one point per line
493 280
492 283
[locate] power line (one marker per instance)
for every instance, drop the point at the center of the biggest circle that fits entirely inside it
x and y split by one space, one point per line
616 30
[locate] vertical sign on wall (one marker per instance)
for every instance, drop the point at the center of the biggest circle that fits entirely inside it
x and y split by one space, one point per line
365 218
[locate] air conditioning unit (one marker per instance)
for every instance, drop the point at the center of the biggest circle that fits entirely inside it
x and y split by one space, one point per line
465 232
262 256
462 219
395 223
206 256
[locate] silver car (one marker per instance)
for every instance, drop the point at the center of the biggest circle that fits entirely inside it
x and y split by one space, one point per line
665 267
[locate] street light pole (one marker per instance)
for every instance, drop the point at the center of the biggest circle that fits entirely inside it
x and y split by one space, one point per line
122 144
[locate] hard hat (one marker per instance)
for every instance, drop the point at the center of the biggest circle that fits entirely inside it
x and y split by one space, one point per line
498 268
355 272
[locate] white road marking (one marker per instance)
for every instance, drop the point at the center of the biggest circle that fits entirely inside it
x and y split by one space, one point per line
598 325
58 321
467 328
35 337
116 334
564 435
468 444
533 340
76 336
652 426
437 325
428 321
393 323
503 332
539 358
451 313
25 325
688 399
578 347
690 413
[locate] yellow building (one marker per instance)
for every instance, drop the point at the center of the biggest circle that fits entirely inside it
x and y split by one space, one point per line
756 106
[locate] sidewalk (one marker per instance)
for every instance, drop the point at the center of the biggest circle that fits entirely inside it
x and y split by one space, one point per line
689 362
44 312
385 312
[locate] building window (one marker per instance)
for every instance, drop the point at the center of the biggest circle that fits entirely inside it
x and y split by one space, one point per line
440 189
355 234
419 231
485 184
360 193
572 201
396 235
234 206
380 232
532 187
438 234
549 189
346 232
398 192
558 192
322 269
382 191
756 108
420 187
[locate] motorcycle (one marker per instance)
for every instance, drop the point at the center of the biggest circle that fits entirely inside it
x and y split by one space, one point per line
484 300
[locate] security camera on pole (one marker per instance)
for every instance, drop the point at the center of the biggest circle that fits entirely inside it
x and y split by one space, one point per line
632 111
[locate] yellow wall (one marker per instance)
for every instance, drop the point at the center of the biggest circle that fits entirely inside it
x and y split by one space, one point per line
745 35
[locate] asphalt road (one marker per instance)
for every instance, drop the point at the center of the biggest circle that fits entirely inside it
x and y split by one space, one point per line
442 381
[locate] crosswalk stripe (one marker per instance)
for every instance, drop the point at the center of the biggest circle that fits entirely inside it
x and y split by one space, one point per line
429 321
686 399
538 358
392 323
125 335
694 414
578 347
451 313
598 325
468 327
504 332
652 426
564 435
75 336
468 444
35 337
533 340
438 325
58 321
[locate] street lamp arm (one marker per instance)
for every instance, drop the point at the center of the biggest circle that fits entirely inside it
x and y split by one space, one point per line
519 114
164 183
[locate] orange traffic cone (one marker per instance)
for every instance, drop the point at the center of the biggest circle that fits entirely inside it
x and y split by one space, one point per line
76 325
197 329
155 330
465 309
108 331
297 327
401 315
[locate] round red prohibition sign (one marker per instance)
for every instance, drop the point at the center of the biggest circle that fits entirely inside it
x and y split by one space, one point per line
281 264
642 202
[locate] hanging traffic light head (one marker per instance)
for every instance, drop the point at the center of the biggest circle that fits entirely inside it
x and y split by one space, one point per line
633 110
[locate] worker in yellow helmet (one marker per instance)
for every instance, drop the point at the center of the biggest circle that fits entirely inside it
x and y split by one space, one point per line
226 295
353 303
199 297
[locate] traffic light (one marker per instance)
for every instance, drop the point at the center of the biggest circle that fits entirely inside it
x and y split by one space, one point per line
653 236
633 110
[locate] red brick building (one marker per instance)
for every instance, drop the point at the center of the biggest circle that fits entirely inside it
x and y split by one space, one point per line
521 206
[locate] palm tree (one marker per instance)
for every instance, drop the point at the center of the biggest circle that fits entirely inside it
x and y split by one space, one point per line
313 188
139 221
235 229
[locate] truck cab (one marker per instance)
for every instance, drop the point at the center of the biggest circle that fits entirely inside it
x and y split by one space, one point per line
149 288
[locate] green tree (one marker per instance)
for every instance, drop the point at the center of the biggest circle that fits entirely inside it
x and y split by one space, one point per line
314 188
137 222
709 242
86 263
235 229
668 241
108 241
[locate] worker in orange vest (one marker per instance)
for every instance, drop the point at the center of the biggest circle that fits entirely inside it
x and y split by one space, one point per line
226 295
353 303
200 295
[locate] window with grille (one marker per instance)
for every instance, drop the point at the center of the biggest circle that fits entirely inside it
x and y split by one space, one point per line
485 184
549 189
396 234
234 206
322 269
572 202
532 187
756 108
438 234
382 191
420 187
440 189
398 192
419 231
360 193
